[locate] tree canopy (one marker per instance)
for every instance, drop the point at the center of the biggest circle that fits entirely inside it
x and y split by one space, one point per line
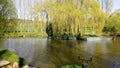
72 17
113 22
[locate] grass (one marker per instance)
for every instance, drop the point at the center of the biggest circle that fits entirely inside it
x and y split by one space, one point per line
11 57
71 66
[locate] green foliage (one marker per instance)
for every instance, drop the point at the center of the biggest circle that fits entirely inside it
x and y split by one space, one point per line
11 57
113 22
73 16
7 14
71 66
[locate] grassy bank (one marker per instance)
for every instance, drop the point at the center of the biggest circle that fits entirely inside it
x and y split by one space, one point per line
11 57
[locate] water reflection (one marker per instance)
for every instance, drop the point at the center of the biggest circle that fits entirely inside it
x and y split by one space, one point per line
55 53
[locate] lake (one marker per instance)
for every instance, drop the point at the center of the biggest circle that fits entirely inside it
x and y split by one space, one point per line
44 53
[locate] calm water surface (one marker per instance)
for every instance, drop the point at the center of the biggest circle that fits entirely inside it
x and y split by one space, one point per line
44 53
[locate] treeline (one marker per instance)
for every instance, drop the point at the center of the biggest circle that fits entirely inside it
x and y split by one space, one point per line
78 17
12 26
64 17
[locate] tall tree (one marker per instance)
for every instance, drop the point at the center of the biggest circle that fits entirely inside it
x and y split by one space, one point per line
72 17
7 14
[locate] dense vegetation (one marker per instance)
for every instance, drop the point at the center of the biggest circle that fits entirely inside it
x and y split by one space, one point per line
73 17
11 57
7 15
61 17
113 23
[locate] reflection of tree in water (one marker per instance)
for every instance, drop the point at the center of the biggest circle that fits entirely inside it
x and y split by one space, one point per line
1 43
63 52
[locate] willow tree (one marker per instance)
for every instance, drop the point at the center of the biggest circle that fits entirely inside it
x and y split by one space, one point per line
7 14
72 17
98 18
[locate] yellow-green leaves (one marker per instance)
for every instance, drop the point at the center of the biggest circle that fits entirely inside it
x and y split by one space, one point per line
114 22
73 16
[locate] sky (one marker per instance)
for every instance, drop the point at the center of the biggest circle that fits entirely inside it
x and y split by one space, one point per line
116 5
24 7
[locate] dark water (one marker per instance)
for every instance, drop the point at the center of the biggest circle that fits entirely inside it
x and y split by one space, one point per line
45 53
